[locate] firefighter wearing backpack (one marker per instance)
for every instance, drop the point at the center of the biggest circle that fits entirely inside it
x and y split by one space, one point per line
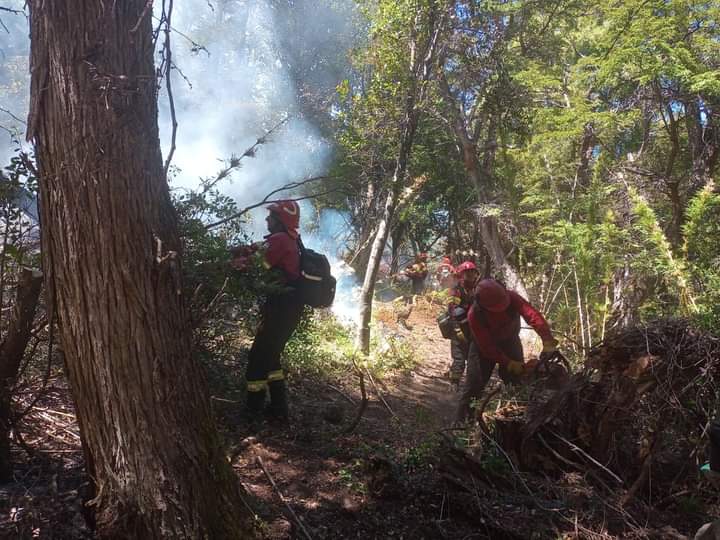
461 298
280 314
494 321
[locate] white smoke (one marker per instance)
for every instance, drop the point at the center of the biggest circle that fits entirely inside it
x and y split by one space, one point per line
240 89
238 65
14 78
328 233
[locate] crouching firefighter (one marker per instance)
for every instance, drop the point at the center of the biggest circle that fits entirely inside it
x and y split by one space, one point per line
494 322
461 298
280 314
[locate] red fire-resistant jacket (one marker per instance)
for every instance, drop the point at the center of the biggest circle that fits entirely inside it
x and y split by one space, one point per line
281 251
459 297
490 328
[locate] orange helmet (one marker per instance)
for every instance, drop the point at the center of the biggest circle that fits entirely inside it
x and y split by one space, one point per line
288 212
491 295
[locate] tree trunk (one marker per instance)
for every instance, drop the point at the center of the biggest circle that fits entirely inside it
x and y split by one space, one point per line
383 229
421 72
12 350
488 224
396 236
109 245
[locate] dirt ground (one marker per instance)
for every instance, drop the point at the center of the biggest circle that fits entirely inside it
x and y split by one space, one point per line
338 485
378 481
385 480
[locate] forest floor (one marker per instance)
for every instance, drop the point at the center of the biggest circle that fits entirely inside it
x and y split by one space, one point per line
393 476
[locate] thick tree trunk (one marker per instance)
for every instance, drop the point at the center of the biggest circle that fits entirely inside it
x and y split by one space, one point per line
109 243
12 350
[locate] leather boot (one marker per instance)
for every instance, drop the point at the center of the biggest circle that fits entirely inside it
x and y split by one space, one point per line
278 408
255 403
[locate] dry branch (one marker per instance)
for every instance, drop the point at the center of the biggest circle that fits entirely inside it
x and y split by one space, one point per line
363 402
282 498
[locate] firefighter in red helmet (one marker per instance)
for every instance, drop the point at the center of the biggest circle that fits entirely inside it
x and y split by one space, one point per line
280 313
494 321
417 272
445 274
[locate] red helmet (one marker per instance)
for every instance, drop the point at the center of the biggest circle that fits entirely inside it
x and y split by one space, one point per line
446 260
288 212
492 296
467 265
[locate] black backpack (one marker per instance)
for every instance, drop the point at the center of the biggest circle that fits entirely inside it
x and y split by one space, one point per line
316 285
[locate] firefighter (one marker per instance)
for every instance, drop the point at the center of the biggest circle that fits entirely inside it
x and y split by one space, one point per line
417 272
445 274
280 313
461 298
494 321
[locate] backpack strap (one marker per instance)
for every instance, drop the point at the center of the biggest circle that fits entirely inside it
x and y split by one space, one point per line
301 246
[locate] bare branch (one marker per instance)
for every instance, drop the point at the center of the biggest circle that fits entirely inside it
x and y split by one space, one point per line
167 62
268 200
145 11
196 47
234 162
11 115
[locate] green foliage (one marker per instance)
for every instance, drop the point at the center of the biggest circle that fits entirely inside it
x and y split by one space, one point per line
320 347
324 348
18 232
702 249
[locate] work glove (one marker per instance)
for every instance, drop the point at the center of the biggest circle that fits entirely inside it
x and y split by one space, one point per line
516 367
549 348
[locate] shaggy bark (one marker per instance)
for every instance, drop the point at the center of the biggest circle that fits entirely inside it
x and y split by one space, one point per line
110 244
12 350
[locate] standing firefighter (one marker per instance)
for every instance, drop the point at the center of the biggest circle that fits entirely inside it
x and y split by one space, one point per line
445 274
461 298
280 314
494 321
417 272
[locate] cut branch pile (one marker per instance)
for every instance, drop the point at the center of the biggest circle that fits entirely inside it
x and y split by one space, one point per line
630 428
635 419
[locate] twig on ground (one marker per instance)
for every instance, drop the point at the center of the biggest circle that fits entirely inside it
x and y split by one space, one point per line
298 521
481 409
215 398
339 391
583 453
513 467
558 456
639 482
363 403
379 394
